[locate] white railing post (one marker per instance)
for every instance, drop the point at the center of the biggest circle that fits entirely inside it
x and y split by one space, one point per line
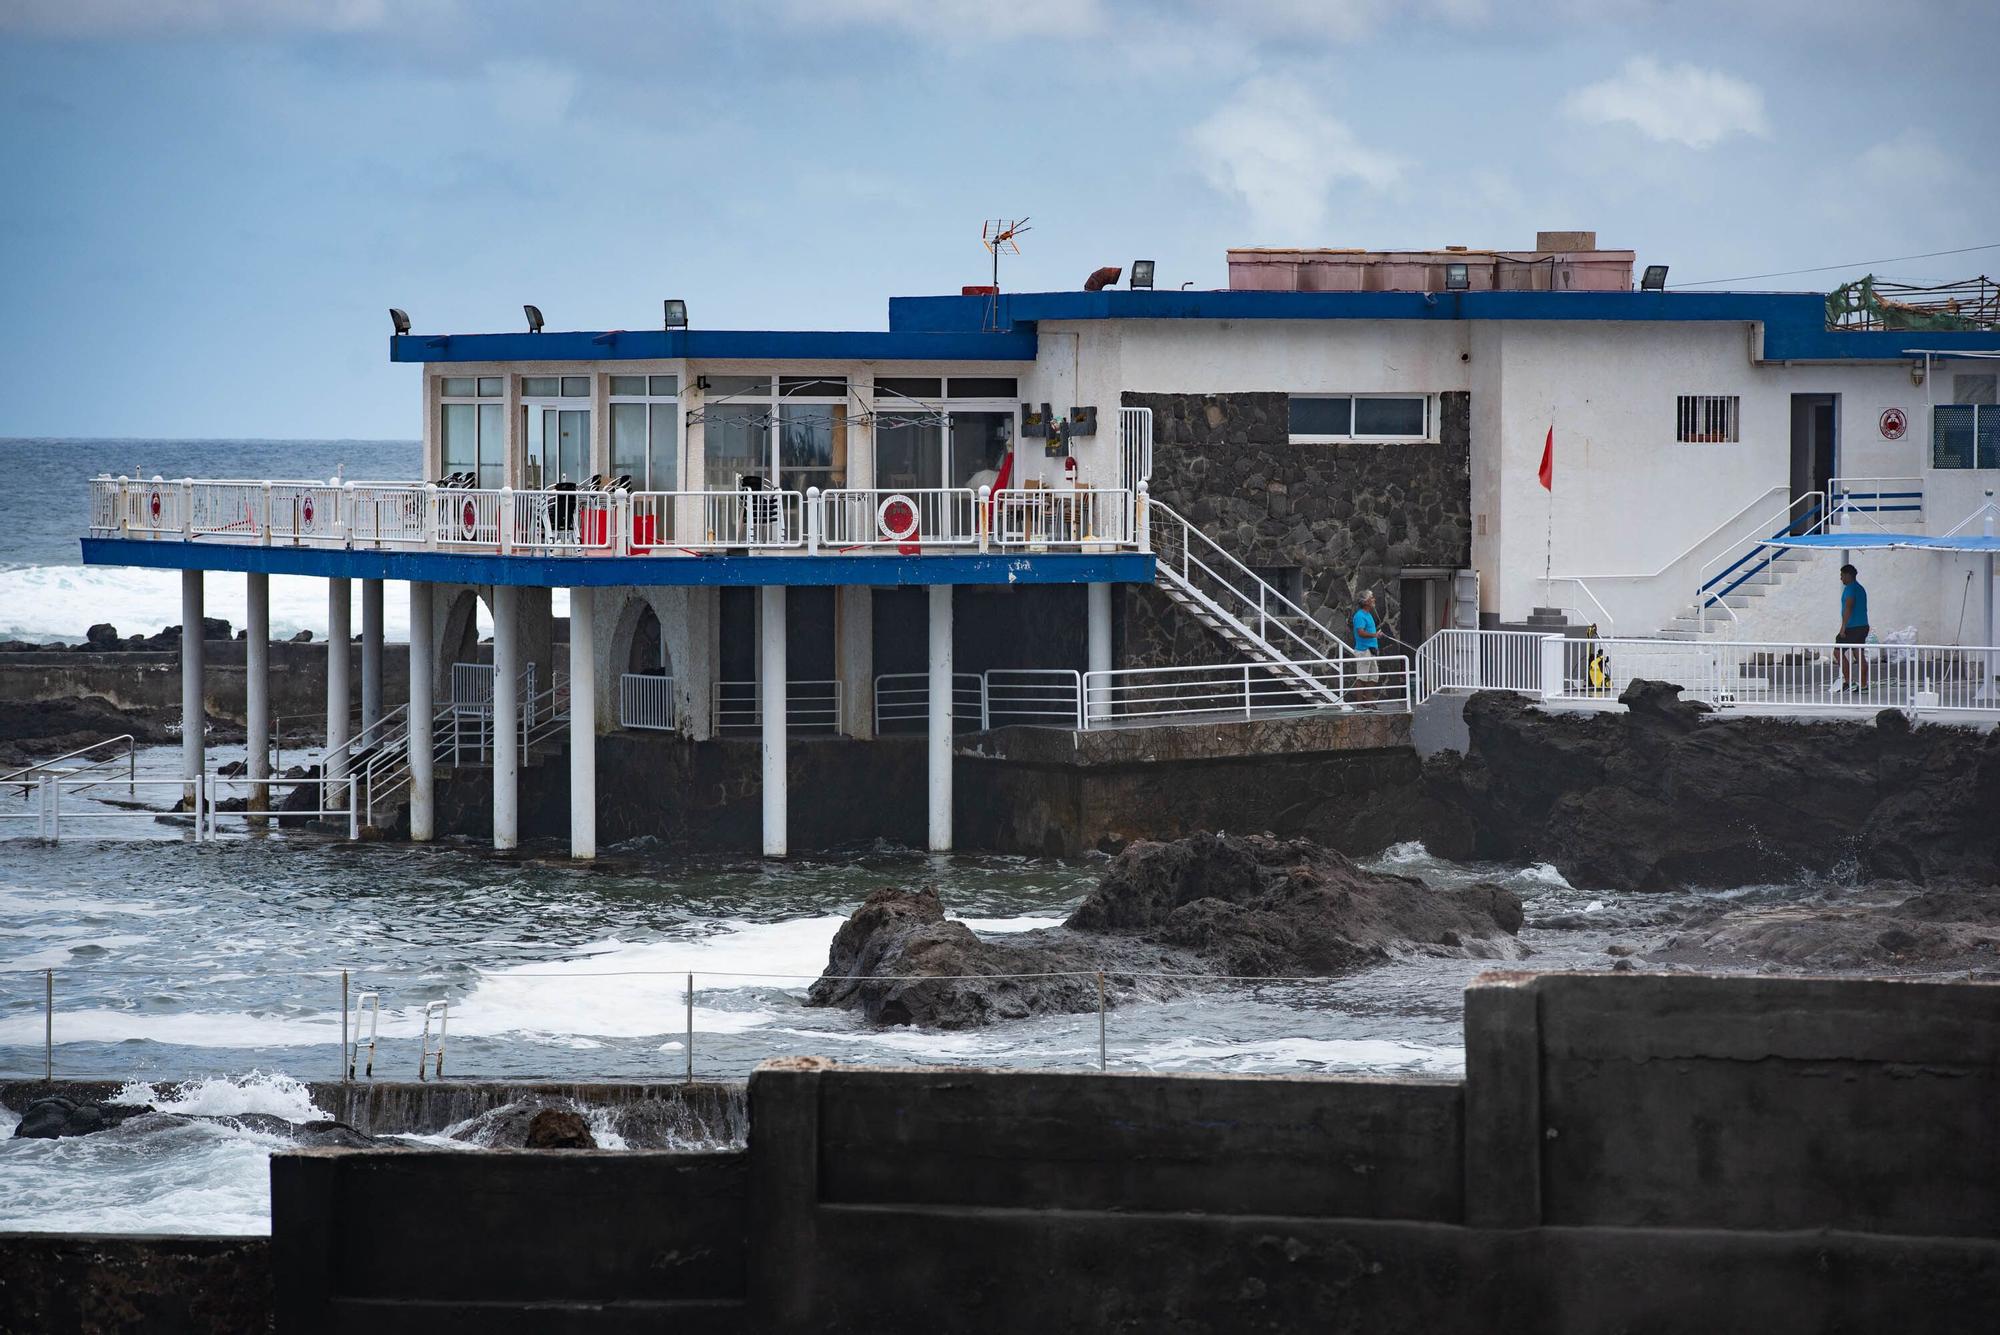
1552 666
1143 522
621 518
814 521
982 515
1246 690
187 509
505 534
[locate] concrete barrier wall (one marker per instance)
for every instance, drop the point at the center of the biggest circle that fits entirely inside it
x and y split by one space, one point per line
56 1284
149 680
1627 1152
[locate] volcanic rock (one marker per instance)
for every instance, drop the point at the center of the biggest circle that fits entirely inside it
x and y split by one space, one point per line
559 1129
1665 795
102 637
55 1117
1205 906
1886 926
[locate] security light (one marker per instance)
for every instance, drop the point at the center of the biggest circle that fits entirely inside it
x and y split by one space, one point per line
1457 278
1654 279
534 318
676 313
400 319
1142 274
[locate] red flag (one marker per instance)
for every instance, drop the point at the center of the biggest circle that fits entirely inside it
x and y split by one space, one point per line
1547 472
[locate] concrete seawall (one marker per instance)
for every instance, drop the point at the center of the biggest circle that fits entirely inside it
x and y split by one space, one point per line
149 680
1626 1152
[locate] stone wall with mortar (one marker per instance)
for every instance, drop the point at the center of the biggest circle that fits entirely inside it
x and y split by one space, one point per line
1350 516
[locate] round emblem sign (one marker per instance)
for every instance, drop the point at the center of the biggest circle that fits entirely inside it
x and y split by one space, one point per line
468 517
306 510
1894 423
896 517
153 503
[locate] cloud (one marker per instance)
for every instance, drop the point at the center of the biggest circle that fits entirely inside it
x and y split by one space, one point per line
957 21
530 92
1674 104
122 18
1277 148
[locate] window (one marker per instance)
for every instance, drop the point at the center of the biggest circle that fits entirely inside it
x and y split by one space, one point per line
645 430
1324 418
982 387
555 386
1965 435
1707 418
471 429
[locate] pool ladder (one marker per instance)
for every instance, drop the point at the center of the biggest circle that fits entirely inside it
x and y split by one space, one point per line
442 1011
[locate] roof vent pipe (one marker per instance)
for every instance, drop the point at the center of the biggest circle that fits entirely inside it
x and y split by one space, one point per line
1103 278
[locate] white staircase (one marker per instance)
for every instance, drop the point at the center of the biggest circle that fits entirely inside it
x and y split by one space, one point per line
1242 608
1725 601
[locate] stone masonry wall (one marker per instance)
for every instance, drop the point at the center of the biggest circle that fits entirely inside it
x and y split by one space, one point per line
1351 517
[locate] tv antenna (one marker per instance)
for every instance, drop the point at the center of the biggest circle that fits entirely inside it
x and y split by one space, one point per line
999 237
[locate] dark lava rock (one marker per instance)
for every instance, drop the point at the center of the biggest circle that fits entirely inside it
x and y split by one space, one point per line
56 1116
303 637
102 637
1664 795
1204 906
1885 926
559 1129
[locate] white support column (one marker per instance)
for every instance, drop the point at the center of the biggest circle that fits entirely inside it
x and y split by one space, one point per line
371 658
506 716
854 658
423 709
257 687
582 723
1099 647
339 686
771 712
194 715
938 750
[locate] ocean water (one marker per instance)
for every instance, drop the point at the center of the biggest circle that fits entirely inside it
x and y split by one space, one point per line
221 963
46 593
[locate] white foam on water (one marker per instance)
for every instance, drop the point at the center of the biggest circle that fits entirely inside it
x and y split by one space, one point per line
1292 1054
1412 851
58 957
199 1178
1002 925
222 1096
188 1029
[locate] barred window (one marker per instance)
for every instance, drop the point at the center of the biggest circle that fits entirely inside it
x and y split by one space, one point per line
1707 418
1965 435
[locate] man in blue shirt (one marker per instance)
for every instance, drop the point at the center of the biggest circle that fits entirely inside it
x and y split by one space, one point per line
1853 628
1367 637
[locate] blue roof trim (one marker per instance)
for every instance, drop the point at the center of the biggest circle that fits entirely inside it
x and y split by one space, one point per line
1794 322
550 572
949 345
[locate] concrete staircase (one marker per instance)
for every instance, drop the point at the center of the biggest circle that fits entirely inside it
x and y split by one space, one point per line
1734 594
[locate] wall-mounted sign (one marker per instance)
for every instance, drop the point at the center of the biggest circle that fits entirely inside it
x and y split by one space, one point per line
1894 423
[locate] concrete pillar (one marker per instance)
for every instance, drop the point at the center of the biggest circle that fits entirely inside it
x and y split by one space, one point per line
771 712
257 687
194 716
371 658
423 709
582 723
854 658
938 749
506 716
339 688
1099 655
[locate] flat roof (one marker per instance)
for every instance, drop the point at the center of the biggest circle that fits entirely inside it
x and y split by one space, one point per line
968 344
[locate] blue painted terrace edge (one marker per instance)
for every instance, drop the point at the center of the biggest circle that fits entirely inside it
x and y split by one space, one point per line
951 345
552 572
1794 322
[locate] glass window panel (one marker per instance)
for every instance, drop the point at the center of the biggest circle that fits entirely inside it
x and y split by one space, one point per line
632 385
909 387
812 387
576 386
492 445
667 385
907 454
541 387
458 386
1976 387
1322 417
541 424
575 459
1388 417
489 387
735 441
1951 435
983 387
728 386
812 445
663 450
979 442
461 439
628 441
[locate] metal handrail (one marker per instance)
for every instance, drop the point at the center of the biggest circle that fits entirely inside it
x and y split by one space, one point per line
131 762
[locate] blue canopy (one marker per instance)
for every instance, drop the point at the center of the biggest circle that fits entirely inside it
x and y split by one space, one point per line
1961 542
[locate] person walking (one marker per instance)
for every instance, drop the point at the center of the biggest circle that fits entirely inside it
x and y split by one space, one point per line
1853 630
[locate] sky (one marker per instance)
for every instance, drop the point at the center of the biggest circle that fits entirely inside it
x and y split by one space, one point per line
210 205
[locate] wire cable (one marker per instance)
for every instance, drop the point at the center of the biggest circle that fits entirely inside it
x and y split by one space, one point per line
1823 268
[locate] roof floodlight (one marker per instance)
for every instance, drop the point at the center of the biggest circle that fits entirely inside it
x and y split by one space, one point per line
1457 277
534 318
400 319
676 313
1654 279
1142 274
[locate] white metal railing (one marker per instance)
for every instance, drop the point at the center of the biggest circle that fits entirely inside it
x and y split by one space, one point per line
1041 518
82 761
1033 697
909 519
1876 504
646 700
1245 690
905 697
810 706
465 517
1480 660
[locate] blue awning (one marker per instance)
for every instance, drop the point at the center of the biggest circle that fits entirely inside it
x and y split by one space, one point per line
1962 542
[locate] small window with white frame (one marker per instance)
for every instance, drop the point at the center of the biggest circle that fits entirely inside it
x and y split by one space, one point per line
1325 419
1708 419
646 430
472 429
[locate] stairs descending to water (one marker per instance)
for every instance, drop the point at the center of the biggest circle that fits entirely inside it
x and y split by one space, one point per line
1718 613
